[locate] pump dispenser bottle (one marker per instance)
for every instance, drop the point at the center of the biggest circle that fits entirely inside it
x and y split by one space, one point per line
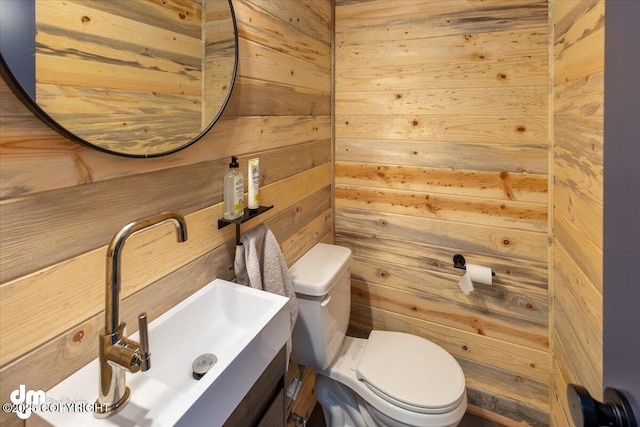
233 191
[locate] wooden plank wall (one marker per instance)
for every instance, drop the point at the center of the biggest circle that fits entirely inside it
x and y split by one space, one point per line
442 148
577 200
61 203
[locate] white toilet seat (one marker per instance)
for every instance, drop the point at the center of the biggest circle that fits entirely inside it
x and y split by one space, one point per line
411 372
345 370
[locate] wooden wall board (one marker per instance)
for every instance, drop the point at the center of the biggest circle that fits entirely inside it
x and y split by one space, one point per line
480 129
486 74
476 239
490 185
455 102
510 158
499 213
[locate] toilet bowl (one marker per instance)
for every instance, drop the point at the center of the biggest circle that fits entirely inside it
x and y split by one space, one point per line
389 379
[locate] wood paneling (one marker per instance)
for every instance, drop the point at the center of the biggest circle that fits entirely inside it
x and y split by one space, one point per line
577 200
442 148
61 202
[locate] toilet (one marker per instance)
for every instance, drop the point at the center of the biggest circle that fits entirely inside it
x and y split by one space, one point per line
390 379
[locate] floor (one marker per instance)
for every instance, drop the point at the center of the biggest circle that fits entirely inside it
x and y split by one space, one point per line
317 420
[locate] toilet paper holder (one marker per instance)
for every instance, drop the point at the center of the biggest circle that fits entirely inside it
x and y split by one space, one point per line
461 263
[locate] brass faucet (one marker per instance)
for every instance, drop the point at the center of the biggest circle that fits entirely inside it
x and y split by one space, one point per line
118 352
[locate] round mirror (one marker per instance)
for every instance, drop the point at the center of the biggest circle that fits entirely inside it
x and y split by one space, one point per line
138 78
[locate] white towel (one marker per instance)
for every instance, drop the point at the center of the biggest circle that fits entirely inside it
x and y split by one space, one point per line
260 264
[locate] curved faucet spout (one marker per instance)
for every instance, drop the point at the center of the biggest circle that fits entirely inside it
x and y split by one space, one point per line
112 297
117 352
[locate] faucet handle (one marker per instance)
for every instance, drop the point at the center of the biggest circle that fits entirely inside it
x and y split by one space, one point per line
145 355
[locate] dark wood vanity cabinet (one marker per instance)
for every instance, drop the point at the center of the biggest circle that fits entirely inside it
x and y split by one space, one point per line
264 404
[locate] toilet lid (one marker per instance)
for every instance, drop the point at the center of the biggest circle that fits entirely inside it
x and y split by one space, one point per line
411 372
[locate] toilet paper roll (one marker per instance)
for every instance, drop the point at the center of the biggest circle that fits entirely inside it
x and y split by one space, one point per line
479 274
474 273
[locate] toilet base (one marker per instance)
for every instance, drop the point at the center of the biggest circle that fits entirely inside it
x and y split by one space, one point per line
342 407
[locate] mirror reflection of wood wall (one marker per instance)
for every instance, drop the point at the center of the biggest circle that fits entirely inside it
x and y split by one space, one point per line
128 75
219 57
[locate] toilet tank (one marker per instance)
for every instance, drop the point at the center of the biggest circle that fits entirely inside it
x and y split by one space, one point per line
323 288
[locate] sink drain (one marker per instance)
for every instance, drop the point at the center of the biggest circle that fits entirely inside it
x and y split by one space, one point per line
202 364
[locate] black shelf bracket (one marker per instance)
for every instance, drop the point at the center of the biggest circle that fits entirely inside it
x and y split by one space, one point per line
248 214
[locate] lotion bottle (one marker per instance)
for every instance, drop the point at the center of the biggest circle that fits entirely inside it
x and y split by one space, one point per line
254 185
233 191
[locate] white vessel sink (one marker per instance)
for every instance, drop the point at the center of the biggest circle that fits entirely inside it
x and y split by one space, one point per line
243 327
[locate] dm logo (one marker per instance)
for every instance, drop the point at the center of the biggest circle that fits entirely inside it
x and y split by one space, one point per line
25 400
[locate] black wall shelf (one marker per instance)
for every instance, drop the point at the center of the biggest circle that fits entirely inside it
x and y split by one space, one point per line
248 214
